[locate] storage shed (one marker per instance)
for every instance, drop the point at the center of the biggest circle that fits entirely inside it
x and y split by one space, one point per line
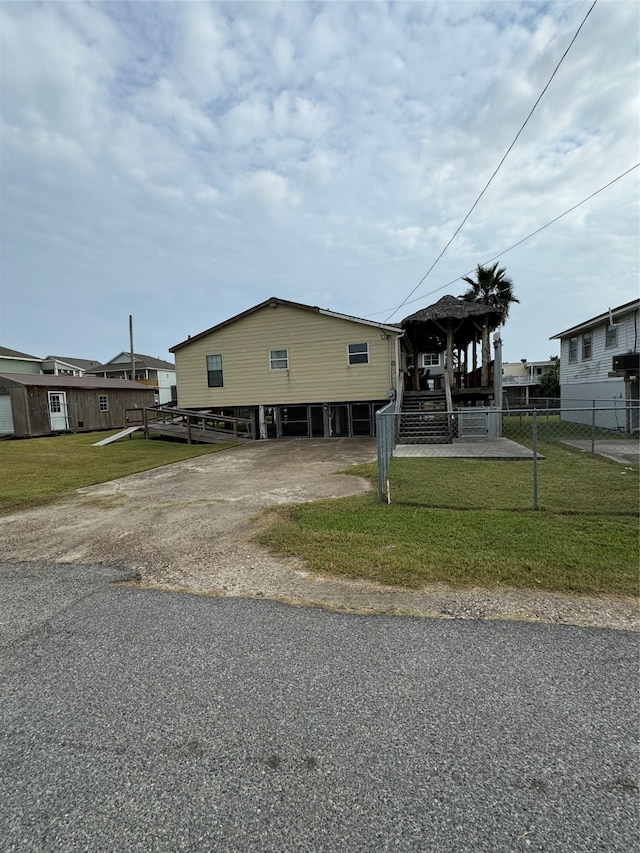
33 405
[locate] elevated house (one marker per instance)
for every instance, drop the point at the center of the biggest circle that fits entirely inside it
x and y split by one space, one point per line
46 404
293 369
299 370
521 380
153 372
600 366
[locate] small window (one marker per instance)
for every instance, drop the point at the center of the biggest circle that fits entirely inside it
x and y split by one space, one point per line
214 371
358 353
103 402
586 346
573 350
430 359
612 337
279 359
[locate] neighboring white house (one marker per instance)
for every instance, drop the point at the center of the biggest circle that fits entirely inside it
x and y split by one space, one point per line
599 364
153 372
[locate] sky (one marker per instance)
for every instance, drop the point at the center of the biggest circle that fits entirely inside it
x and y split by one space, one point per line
183 162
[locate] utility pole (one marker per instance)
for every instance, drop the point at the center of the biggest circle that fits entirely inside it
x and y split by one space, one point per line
133 364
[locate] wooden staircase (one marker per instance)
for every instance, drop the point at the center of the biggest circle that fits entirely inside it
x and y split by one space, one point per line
424 418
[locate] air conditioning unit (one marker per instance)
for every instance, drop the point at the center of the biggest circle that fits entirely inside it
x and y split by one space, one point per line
626 361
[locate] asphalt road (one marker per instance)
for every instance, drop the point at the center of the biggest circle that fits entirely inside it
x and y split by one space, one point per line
137 720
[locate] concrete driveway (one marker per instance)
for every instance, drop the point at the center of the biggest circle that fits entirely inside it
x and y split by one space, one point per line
188 526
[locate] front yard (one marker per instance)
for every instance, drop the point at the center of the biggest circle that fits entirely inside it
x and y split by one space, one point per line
469 523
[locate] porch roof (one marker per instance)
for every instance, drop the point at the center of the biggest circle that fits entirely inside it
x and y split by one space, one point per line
430 324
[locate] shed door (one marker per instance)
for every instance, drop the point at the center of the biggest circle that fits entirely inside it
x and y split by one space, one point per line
6 415
58 416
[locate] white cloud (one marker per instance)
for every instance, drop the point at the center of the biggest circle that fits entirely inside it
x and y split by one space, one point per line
342 142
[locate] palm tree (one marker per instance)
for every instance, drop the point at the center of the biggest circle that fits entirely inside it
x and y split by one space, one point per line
491 287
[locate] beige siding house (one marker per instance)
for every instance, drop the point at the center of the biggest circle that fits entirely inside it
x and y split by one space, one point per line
299 370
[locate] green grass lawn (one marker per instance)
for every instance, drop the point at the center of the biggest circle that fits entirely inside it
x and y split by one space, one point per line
39 470
469 522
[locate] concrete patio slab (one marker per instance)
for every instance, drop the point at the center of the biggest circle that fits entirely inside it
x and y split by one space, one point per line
481 448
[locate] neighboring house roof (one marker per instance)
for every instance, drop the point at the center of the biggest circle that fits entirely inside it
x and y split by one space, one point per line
81 363
141 361
452 308
274 301
634 305
12 353
88 382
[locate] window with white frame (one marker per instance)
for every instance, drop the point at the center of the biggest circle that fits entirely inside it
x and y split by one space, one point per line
358 353
573 350
587 346
612 337
214 371
103 403
279 359
429 359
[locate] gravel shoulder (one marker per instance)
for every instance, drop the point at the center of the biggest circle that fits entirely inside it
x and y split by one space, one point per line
188 527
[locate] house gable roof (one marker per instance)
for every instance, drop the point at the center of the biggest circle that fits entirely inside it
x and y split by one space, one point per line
48 380
141 361
634 305
275 301
80 363
5 352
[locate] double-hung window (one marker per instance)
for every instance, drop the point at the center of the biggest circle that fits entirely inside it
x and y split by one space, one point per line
612 337
103 403
587 341
214 371
573 350
279 359
358 353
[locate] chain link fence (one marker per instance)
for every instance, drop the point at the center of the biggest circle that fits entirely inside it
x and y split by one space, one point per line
530 434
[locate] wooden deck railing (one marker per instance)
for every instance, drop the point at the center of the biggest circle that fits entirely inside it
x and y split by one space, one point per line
192 425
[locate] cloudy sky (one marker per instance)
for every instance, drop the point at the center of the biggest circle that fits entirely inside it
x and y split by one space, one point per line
182 162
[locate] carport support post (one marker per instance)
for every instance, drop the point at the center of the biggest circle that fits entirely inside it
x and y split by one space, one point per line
534 436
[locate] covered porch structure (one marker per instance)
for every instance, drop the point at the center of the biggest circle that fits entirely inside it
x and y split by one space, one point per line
456 334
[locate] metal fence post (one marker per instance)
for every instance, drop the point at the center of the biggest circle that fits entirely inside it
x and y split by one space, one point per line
593 427
534 438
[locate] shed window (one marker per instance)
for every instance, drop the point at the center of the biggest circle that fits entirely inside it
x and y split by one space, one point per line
573 350
612 337
279 359
103 402
214 371
358 353
586 346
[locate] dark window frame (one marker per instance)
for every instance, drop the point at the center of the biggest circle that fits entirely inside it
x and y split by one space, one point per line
215 377
358 356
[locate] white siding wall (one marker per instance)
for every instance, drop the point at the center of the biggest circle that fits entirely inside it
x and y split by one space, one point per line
596 369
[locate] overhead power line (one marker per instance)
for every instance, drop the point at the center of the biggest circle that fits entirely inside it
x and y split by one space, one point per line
513 246
497 169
